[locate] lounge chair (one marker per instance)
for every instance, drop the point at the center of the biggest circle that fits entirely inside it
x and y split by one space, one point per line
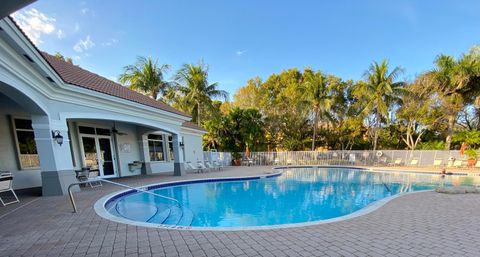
414 162
276 162
437 162
6 180
217 164
457 163
211 166
397 162
190 166
477 165
202 166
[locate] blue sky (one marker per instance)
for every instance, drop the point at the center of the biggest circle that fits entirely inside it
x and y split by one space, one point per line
243 39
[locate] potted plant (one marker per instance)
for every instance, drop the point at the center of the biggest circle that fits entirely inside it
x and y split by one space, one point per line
237 158
472 156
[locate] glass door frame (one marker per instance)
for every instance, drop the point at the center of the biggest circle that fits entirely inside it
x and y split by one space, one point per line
99 159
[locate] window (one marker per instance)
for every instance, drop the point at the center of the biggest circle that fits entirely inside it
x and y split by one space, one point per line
93 131
26 146
170 149
155 146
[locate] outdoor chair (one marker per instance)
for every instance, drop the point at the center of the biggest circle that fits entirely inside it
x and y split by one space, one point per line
397 162
414 162
202 166
190 166
457 163
94 175
289 162
276 162
217 164
477 165
437 162
211 166
6 181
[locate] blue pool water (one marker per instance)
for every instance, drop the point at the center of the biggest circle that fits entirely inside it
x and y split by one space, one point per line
297 195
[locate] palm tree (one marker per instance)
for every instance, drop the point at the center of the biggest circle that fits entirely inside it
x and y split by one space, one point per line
379 91
146 76
457 82
193 86
315 90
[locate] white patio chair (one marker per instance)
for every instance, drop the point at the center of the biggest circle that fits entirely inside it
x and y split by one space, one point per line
397 162
217 164
477 164
6 181
210 165
457 163
190 166
437 162
95 183
202 166
414 162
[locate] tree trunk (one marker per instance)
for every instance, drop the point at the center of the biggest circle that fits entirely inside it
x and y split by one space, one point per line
375 136
315 121
198 114
451 124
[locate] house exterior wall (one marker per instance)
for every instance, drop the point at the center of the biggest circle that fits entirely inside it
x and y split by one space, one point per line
193 148
30 88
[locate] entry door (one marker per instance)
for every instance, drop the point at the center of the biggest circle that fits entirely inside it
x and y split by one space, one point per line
98 155
106 156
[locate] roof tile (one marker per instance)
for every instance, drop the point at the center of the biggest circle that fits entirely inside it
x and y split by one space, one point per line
77 76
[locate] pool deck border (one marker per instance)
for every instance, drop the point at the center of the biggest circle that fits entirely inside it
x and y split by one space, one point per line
101 210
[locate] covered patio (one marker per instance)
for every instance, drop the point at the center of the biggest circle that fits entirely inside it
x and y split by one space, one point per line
57 118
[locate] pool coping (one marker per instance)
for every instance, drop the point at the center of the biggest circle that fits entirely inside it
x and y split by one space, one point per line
101 210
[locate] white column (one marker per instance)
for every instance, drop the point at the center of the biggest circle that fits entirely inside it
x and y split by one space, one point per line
55 160
178 168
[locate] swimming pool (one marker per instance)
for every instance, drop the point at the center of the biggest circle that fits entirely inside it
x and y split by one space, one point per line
293 196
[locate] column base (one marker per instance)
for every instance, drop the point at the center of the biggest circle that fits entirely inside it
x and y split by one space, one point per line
57 182
178 169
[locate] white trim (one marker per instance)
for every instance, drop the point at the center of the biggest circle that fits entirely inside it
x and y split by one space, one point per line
63 92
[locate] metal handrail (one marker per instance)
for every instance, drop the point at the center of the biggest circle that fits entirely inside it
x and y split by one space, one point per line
72 200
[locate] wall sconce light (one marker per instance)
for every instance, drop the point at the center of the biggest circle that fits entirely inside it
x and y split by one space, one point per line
181 144
57 137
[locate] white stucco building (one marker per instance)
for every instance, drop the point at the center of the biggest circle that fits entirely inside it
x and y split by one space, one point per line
104 125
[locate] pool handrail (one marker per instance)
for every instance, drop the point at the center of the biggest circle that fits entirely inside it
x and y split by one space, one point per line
72 200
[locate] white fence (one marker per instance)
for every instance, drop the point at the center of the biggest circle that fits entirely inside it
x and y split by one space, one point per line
359 158
223 157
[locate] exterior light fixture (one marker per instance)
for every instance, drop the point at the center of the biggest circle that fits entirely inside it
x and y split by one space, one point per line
181 144
57 137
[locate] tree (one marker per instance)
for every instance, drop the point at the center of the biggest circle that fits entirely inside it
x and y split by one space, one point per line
379 91
315 89
146 76
457 83
195 90
63 58
417 113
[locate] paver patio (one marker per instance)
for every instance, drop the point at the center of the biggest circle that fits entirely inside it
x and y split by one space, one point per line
421 224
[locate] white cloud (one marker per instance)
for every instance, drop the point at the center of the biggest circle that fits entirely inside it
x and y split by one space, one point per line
84 10
60 34
110 42
77 27
83 44
240 52
76 57
35 24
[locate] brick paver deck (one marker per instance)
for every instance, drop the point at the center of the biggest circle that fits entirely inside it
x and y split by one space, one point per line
422 224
